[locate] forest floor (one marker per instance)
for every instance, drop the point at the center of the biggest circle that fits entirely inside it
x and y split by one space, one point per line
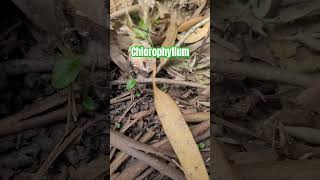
266 89
185 80
53 91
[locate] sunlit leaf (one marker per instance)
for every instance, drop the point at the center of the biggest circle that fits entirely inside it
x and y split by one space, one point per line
201 145
131 83
179 134
137 94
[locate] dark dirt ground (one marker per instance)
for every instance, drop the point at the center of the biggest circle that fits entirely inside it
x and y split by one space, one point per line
266 92
35 135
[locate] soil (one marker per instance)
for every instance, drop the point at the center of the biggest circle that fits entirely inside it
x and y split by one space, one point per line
33 114
263 117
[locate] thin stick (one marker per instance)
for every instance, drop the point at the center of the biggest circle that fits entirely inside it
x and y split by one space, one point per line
121 157
234 127
37 108
163 81
263 72
12 127
145 173
112 101
137 167
120 142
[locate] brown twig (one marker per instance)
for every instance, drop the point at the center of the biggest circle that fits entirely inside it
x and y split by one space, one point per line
196 117
122 97
121 157
234 127
11 127
38 107
120 141
115 101
164 145
139 116
263 72
163 81
145 174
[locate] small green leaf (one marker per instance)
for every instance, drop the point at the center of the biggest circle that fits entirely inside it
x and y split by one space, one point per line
201 145
89 104
65 72
142 30
118 125
140 33
164 88
137 94
131 83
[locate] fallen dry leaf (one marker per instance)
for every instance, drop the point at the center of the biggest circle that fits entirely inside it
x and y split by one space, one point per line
197 35
179 134
189 23
171 36
171 33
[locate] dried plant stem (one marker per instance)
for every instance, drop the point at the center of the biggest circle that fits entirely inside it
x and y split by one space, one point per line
263 72
121 142
121 157
164 81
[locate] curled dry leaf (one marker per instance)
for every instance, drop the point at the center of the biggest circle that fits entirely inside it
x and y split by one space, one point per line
179 134
171 36
189 23
197 35
171 33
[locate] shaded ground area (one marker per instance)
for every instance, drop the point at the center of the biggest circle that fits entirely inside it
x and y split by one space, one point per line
49 131
266 92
